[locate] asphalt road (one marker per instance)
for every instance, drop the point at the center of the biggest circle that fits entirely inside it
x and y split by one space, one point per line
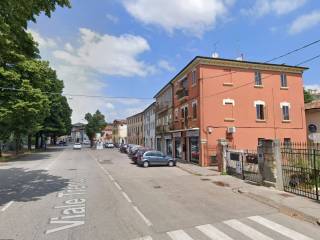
90 194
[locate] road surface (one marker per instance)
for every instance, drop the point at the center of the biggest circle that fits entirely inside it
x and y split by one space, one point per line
89 194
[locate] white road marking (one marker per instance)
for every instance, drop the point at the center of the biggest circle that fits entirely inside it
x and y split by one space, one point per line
110 177
213 233
49 166
279 228
71 224
146 220
117 185
144 238
179 235
7 206
246 230
126 197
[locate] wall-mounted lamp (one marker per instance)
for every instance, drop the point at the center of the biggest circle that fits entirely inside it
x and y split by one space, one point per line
209 129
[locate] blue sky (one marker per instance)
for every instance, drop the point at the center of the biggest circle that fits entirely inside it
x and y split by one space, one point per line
131 48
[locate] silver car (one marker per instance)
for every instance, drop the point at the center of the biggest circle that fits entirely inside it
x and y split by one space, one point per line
156 158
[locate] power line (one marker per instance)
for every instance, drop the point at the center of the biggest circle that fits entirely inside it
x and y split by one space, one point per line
77 95
308 60
293 51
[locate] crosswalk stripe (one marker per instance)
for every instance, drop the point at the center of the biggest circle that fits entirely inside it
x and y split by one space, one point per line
179 235
279 228
213 233
144 238
246 230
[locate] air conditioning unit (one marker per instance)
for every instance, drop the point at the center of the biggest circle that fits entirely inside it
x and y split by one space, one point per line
231 129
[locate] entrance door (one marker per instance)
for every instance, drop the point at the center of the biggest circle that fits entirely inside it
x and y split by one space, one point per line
194 149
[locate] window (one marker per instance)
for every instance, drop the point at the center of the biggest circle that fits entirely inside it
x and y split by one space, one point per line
194 77
260 112
287 142
176 113
285 113
194 110
182 112
284 82
258 80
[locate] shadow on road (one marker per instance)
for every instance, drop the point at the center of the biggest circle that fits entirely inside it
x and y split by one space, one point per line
20 185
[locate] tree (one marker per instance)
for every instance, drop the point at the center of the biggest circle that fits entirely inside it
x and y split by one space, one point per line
96 123
26 112
307 96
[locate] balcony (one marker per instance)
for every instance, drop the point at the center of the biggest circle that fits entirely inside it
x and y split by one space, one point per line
161 108
164 128
182 94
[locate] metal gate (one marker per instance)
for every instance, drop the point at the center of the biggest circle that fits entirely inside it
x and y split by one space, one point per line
243 164
301 170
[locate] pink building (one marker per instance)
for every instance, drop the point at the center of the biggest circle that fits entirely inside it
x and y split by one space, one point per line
240 101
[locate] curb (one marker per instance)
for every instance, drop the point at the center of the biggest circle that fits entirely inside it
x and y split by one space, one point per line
282 208
196 173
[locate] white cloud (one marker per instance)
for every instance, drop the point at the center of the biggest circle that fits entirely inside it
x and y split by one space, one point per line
279 7
190 16
108 54
305 22
68 47
313 87
112 18
42 41
166 66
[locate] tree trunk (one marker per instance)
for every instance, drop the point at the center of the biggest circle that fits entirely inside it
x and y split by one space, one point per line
41 141
29 141
37 141
0 149
17 143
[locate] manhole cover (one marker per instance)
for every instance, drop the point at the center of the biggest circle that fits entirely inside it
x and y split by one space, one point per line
205 179
105 161
156 187
221 184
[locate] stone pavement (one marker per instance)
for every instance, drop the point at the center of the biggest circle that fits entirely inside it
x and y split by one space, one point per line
290 204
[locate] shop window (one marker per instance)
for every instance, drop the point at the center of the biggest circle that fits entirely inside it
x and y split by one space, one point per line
178 149
194 149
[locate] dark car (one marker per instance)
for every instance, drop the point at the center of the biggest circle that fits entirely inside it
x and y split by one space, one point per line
156 158
123 148
139 154
134 151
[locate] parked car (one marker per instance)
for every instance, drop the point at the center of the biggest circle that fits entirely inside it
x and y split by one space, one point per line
62 143
86 142
133 151
109 145
139 154
123 148
156 158
77 146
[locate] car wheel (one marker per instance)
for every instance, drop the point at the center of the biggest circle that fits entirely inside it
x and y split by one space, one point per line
171 163
145 164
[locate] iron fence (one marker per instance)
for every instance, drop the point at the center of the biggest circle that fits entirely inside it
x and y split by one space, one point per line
301 169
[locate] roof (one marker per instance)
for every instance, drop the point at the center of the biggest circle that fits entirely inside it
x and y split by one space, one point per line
232 63
140 113
150 106
312 105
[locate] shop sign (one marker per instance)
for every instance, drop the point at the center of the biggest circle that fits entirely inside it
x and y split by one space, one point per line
193 133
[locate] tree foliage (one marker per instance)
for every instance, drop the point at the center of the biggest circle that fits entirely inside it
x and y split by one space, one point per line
96 123
307 96
30 93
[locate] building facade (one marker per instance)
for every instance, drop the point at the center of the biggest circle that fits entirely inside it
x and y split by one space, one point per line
78 133
135 129
313 121
149 125
107 133
119 131
243 102
164 119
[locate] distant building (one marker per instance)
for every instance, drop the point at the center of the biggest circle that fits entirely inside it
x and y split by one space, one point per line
313 121
78 133
119 131
149 125
107 133
135 129
315 93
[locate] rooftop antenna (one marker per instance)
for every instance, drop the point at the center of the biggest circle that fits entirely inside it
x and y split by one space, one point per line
239 54
215 54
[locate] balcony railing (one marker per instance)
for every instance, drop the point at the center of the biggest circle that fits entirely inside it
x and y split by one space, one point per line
182 93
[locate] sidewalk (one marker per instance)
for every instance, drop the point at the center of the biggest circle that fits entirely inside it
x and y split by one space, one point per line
287 203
